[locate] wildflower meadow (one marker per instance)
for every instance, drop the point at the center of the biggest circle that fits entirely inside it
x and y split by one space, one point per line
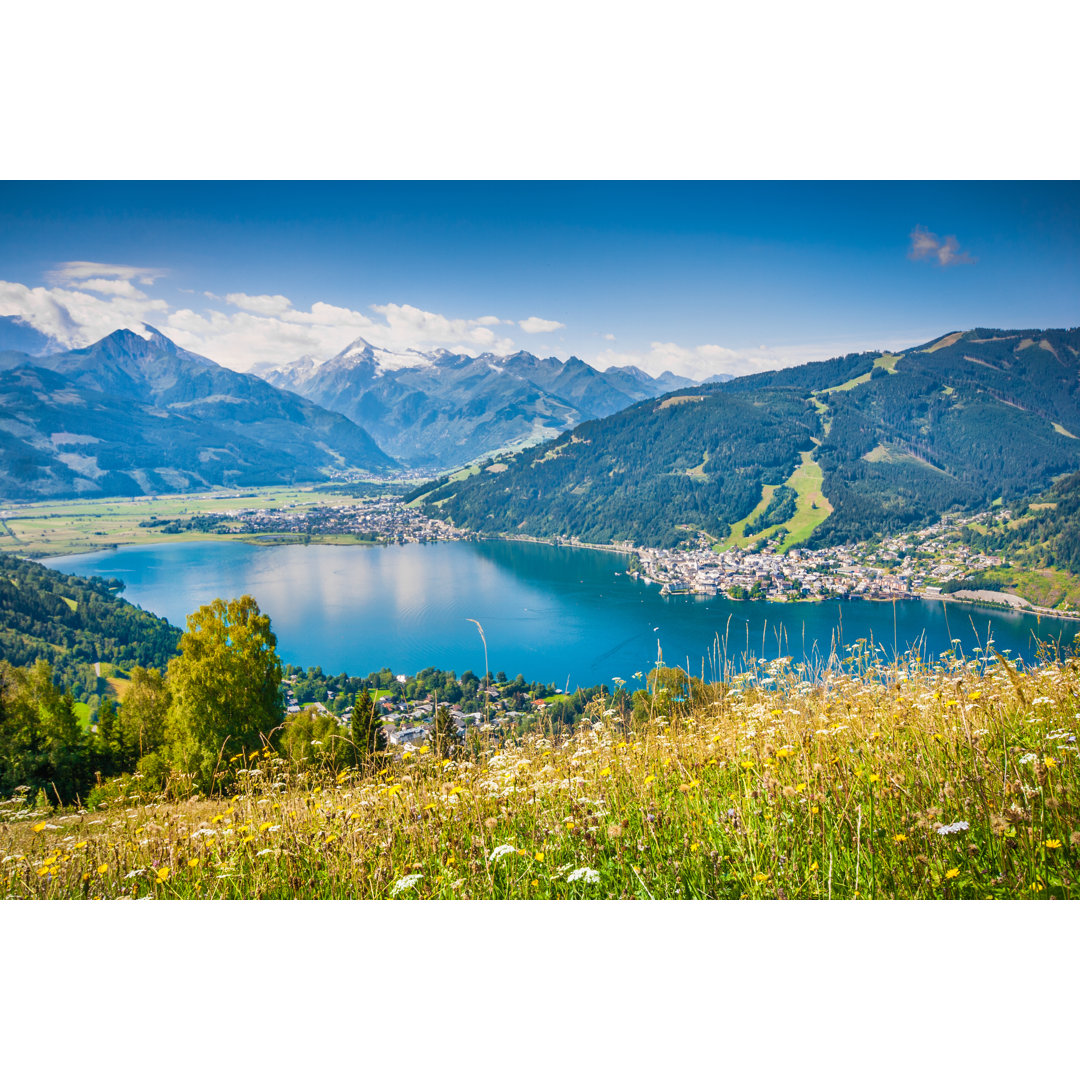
955 779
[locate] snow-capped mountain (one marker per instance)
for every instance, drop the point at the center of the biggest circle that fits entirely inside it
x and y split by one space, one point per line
440 409
136 414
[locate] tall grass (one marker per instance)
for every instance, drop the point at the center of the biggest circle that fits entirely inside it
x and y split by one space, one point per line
956 779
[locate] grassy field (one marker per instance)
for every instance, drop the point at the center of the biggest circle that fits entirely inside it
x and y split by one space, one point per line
1046 587
66 527
811 509
953 781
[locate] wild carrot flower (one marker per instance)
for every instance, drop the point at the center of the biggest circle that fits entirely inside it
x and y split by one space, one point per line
583 873
402 884
955 827
501 851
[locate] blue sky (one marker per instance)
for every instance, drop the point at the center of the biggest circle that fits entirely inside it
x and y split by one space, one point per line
695 277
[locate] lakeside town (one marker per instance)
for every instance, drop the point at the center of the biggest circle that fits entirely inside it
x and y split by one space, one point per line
929 562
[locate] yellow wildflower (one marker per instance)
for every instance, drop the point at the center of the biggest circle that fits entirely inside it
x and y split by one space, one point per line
813 866
899 838
1050 762
952 873
649 779
539 856
39 826
1053 845
606 771
163 873
103 868
759 878
193 862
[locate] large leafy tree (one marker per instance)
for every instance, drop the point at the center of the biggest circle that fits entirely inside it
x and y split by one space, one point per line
224 687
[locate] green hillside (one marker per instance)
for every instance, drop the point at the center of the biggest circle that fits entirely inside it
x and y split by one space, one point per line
75 622
899 440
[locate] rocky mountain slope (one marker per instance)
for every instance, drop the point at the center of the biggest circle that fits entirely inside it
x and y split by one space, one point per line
443 409
135 414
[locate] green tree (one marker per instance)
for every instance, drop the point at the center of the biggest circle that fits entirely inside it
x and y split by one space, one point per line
314 738
224 687
367 729
143 714
444 733
109 743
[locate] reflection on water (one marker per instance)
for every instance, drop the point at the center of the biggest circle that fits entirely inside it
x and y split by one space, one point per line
555 614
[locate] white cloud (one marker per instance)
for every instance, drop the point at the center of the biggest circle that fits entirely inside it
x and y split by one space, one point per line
608 337
113 287
68 272
535 325
75 317
261 305
928 245
414 328
703 361
86 301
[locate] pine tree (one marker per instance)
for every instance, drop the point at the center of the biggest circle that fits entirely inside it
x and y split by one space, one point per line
444 733
367 730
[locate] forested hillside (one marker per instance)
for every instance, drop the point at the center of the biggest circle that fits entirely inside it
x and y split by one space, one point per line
900 439
653 474
1041 532
72 622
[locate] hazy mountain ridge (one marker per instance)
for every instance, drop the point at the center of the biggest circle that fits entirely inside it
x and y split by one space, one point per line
136 414
901 439
441 409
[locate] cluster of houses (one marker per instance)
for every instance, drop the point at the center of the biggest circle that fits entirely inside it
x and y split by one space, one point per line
917 564
386 518
408 723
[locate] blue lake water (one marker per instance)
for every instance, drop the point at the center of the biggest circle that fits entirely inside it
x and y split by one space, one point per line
554 614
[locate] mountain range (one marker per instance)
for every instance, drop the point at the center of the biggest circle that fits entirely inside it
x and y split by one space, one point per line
135 414
443 409
891 441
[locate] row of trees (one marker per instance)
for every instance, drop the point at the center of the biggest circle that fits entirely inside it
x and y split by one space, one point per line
218 698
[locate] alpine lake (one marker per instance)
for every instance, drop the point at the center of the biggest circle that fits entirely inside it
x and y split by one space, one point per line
565 615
